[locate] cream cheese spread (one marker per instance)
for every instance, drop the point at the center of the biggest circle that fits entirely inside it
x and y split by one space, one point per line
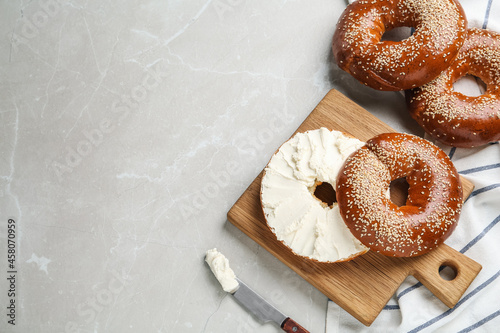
305 224
220 267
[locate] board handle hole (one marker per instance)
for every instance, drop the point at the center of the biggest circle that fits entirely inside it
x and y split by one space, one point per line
448 271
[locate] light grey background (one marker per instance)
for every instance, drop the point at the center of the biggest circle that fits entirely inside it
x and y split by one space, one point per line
128 129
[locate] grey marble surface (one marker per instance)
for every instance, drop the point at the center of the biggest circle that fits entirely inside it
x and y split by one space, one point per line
128 129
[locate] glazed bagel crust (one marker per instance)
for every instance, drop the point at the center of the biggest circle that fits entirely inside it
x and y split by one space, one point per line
440 29
434 197
451 117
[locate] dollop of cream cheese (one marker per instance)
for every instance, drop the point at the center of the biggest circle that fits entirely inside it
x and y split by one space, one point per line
220 267
305 224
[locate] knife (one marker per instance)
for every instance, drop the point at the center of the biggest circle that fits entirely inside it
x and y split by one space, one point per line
263 310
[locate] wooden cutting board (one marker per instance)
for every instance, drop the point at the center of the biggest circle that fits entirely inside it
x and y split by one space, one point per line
362 286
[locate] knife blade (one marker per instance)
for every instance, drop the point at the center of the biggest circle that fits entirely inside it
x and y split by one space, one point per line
263 310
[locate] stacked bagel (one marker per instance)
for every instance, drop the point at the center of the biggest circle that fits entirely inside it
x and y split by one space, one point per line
363 217
439 52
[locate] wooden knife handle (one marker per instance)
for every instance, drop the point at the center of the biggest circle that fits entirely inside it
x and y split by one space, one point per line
290 325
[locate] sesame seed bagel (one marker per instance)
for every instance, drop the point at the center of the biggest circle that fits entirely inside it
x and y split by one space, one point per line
452 117
434 196
440 29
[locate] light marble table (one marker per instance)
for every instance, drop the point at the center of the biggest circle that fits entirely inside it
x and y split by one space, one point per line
128 129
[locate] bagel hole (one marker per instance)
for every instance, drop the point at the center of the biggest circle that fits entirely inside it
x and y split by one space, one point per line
326 194
470 85
397 34
447 272
398 191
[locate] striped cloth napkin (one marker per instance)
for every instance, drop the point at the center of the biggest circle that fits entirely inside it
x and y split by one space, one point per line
413 308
